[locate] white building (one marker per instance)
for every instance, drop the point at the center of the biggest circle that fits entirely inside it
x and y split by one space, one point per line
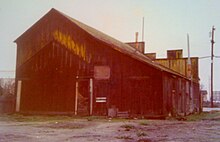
216 96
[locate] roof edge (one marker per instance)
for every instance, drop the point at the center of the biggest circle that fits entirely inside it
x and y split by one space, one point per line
31 27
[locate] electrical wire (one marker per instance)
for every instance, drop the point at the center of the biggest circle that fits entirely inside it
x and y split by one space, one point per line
204 57
7 71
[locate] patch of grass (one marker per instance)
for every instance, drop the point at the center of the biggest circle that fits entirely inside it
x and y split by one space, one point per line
141 134
124 137
127 126
37 118
144 123
91 118
196 117
202 116
65 125
119 120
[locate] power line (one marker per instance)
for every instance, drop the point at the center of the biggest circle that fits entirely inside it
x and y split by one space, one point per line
204 57
7 71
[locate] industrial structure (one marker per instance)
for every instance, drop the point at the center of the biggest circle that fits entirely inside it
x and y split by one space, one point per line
178 63
66 67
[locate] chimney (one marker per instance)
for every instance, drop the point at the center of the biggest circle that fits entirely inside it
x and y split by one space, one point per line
139 46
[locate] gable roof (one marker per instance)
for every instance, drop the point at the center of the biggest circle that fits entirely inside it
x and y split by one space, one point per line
114 43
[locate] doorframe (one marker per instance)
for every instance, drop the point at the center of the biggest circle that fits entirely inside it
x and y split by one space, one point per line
90 79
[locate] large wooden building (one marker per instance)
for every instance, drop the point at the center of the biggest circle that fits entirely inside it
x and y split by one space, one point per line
65 66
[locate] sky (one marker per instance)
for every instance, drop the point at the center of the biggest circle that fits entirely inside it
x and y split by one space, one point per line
167 23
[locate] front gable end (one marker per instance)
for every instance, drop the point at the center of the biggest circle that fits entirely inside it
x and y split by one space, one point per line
52 27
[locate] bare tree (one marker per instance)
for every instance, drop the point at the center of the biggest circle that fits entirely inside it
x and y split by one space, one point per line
7 86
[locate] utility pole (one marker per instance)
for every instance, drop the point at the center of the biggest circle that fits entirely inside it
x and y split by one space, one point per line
143 30
189 72
212 55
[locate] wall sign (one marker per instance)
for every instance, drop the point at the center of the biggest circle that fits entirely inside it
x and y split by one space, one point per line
101 72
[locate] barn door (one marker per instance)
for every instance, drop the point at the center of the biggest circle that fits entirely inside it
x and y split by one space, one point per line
101 90
84 97
101 97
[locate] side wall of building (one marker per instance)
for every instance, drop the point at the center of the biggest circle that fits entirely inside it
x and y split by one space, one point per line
177 97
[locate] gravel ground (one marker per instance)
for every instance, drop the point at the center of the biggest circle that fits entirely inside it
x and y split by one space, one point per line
67 129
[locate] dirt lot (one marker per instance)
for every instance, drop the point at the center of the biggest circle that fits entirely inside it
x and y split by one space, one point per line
197 128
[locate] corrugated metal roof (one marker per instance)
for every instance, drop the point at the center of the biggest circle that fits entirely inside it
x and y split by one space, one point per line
119 46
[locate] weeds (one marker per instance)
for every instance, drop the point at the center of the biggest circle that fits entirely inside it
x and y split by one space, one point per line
124 137
141 134
65 125
202 116
127 126
37 118
91 118
145 123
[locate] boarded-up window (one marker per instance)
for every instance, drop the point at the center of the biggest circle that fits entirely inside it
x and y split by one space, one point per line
101 72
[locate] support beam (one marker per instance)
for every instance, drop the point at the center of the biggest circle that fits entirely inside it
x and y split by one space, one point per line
18 97
91 95
76 97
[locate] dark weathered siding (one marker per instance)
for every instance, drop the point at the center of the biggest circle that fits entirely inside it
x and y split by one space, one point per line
56 54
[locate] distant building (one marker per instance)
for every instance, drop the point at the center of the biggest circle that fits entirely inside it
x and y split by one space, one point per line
204 95
178 63
216 96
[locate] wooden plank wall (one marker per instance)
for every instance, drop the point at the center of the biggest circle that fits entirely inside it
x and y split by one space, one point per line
49 61
180 65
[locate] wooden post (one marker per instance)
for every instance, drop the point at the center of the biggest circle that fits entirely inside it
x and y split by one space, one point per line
76 97
18 98
212 55
91 95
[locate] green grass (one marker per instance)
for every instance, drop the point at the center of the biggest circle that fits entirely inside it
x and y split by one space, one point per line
202 116
92 118
35 118
144 123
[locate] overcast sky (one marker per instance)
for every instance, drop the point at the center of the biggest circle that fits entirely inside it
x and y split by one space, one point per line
167 23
